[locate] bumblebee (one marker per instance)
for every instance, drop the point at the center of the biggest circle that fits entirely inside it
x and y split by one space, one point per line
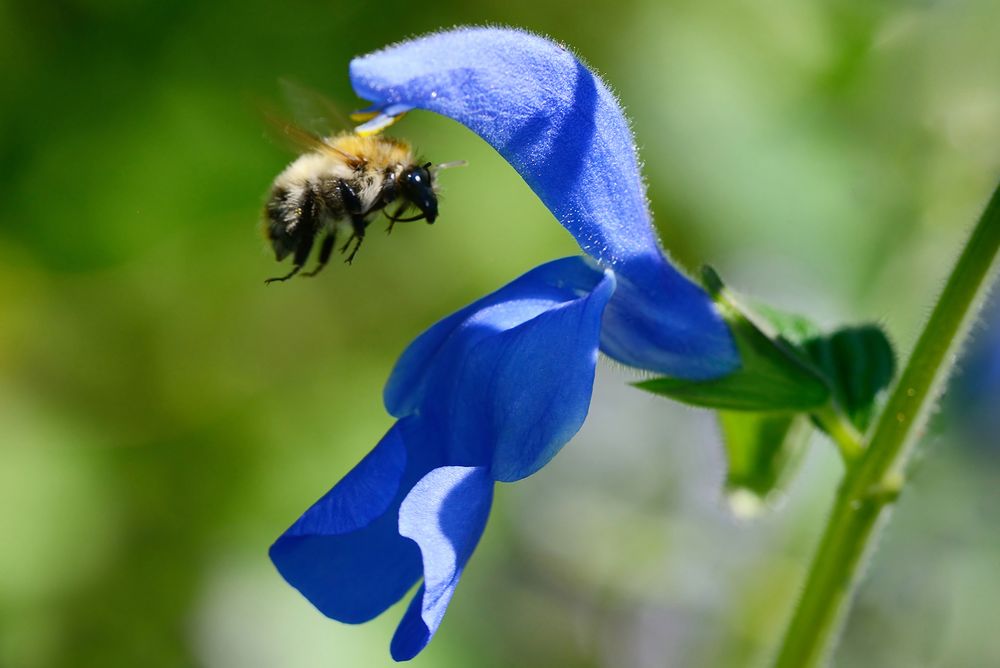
337 188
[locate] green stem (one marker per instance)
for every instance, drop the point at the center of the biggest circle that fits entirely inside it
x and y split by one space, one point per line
845 436
874 481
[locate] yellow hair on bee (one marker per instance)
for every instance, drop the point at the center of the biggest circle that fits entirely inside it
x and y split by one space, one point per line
377 151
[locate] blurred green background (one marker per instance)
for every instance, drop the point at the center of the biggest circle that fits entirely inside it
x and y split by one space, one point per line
164 416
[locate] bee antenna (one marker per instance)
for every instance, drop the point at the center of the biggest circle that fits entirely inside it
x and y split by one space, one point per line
449 165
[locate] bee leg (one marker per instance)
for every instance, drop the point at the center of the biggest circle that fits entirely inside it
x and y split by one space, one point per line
359 225
352 203
301 256
357 245
347 244
278 279
274 279
324 254
394 217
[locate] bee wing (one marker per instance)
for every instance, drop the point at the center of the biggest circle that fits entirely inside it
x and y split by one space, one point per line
318 113
313 110
299 139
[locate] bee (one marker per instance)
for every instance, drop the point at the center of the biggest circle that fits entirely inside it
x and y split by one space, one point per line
337 188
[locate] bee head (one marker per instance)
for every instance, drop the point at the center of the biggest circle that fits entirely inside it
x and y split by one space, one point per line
417 186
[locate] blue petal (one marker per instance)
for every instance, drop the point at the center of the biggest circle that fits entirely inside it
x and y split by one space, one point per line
345 554
412 634
544 287
543 110
565 133
526 391
976 389
512 374
445 514
658 320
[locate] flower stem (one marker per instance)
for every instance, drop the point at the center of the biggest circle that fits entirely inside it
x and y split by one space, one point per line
874 481
844 435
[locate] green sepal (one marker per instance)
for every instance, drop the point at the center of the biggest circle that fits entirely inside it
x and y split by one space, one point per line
774 375
762 451
859 363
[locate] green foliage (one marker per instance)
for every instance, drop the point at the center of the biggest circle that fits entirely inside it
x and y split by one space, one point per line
762 450
774 375
859 362
790 371
788 365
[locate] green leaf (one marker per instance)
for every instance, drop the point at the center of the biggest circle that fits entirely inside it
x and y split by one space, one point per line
742 391
792 327
762 450
859 363
775 375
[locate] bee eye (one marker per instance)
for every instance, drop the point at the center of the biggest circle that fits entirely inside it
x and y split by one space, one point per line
418 176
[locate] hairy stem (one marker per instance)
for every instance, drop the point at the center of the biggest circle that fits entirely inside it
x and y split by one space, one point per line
874 480
843 434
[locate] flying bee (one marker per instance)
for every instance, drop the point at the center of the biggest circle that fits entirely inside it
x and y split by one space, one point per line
337 187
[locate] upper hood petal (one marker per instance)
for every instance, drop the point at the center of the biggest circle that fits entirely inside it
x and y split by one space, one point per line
543 110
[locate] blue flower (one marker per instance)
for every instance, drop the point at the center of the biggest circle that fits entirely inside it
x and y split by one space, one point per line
976 393
492 392
488 394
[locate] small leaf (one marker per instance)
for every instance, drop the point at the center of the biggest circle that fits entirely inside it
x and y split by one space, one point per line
794 328
762 450
742 391
774 374
860 363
